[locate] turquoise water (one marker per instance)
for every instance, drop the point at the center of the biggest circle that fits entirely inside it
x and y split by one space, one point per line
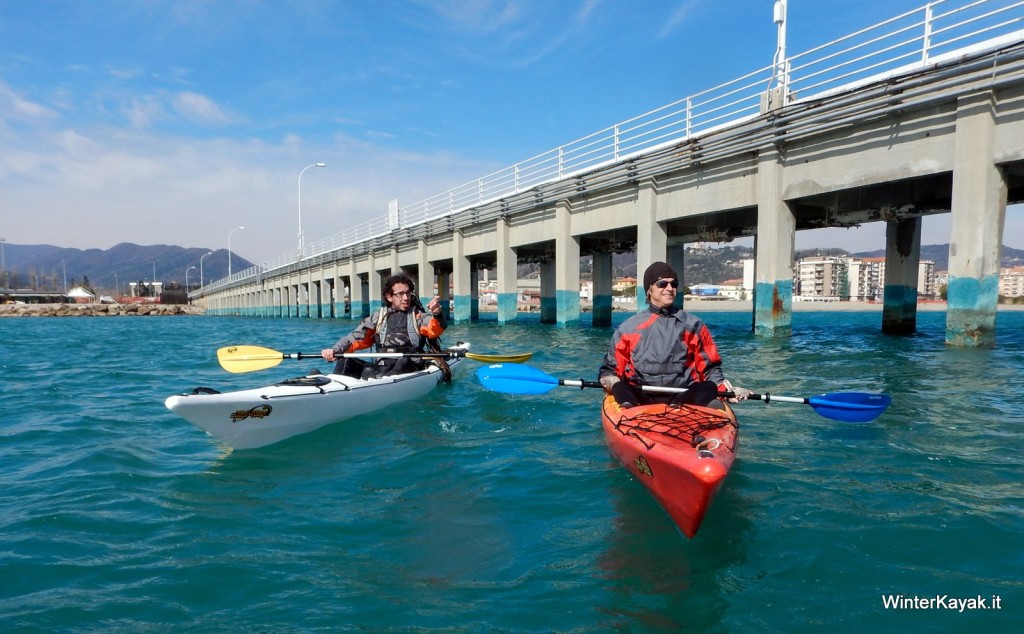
474 511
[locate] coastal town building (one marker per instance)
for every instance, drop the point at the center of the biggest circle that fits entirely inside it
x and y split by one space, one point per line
1011 281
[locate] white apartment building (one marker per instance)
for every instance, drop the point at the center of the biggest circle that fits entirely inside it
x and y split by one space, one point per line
854 279
1011 281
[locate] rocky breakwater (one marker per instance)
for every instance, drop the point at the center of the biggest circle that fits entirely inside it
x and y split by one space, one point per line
96 310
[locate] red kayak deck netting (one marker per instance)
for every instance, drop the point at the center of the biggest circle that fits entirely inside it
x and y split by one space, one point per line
685 423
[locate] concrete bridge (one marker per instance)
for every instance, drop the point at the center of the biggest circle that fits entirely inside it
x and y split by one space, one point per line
922 114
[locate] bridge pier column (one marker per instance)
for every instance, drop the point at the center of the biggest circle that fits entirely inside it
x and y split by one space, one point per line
355 292
372 296
463 280
338 284
676 258
773 252
902 259
305 294
326 294
567 268
976 226
651 237
507 274
424 273
548 292
444 292
601 291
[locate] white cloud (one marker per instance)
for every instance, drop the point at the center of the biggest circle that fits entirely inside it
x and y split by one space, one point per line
18 107
677 17
199 108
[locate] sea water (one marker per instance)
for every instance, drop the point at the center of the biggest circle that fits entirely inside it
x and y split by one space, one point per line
473 511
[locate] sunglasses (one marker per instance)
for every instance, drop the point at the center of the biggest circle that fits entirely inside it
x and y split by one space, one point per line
664 283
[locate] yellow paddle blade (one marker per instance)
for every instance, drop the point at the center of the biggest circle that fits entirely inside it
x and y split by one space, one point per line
239 359
500 358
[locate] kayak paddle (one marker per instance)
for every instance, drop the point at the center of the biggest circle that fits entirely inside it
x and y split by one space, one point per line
239 359
849 407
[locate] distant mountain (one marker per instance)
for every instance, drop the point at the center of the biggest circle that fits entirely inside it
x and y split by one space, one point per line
43 266
46 267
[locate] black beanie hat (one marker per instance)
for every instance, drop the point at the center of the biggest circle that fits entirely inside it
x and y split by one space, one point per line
657 271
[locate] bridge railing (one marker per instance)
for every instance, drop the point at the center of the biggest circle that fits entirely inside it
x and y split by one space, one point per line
907 42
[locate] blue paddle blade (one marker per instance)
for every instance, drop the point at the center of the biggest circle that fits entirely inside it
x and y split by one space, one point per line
517 378
850 407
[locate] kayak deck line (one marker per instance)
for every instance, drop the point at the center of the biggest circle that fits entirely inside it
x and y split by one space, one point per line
680 454
687 427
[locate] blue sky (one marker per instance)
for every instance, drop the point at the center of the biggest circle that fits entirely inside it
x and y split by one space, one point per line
174 122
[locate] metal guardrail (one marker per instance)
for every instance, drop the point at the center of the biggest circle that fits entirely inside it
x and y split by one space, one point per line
911 41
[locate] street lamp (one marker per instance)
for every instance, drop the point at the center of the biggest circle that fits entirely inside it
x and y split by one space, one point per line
3 262
301 244
201 269
229 248
186 277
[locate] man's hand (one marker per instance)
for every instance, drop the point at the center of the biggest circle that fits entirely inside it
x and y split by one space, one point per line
608 381
740 393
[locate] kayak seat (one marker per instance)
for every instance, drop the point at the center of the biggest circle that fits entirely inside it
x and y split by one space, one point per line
204 390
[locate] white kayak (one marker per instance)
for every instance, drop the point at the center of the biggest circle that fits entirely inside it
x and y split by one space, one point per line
247 419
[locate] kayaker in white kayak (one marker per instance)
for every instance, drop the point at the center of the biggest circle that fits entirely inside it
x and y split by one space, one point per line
666 347
401 324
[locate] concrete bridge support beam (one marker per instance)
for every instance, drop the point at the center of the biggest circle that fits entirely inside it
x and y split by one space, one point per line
902 257
548 292
601 291
463 281
676 259
444 292
567 268
507 274
651 236
424 273
305 295
356 293
338 285
773 252
372 296
976 226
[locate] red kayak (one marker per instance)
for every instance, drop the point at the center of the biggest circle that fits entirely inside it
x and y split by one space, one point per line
680 453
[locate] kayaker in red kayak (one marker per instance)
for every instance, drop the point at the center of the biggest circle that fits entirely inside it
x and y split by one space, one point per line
666 347
401 324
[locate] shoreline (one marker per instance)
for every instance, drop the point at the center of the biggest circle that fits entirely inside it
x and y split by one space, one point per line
97 310
698 306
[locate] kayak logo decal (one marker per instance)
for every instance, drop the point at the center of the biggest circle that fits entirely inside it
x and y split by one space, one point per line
260 411
642 466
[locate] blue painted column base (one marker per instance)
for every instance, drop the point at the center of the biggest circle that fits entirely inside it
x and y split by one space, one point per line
773 309
971 311
601 312
548 310
508 307
463 309
568 308
899 311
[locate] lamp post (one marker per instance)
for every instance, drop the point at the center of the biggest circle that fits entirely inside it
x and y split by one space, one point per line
229 248
3 262
201 269
301 243
186 277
